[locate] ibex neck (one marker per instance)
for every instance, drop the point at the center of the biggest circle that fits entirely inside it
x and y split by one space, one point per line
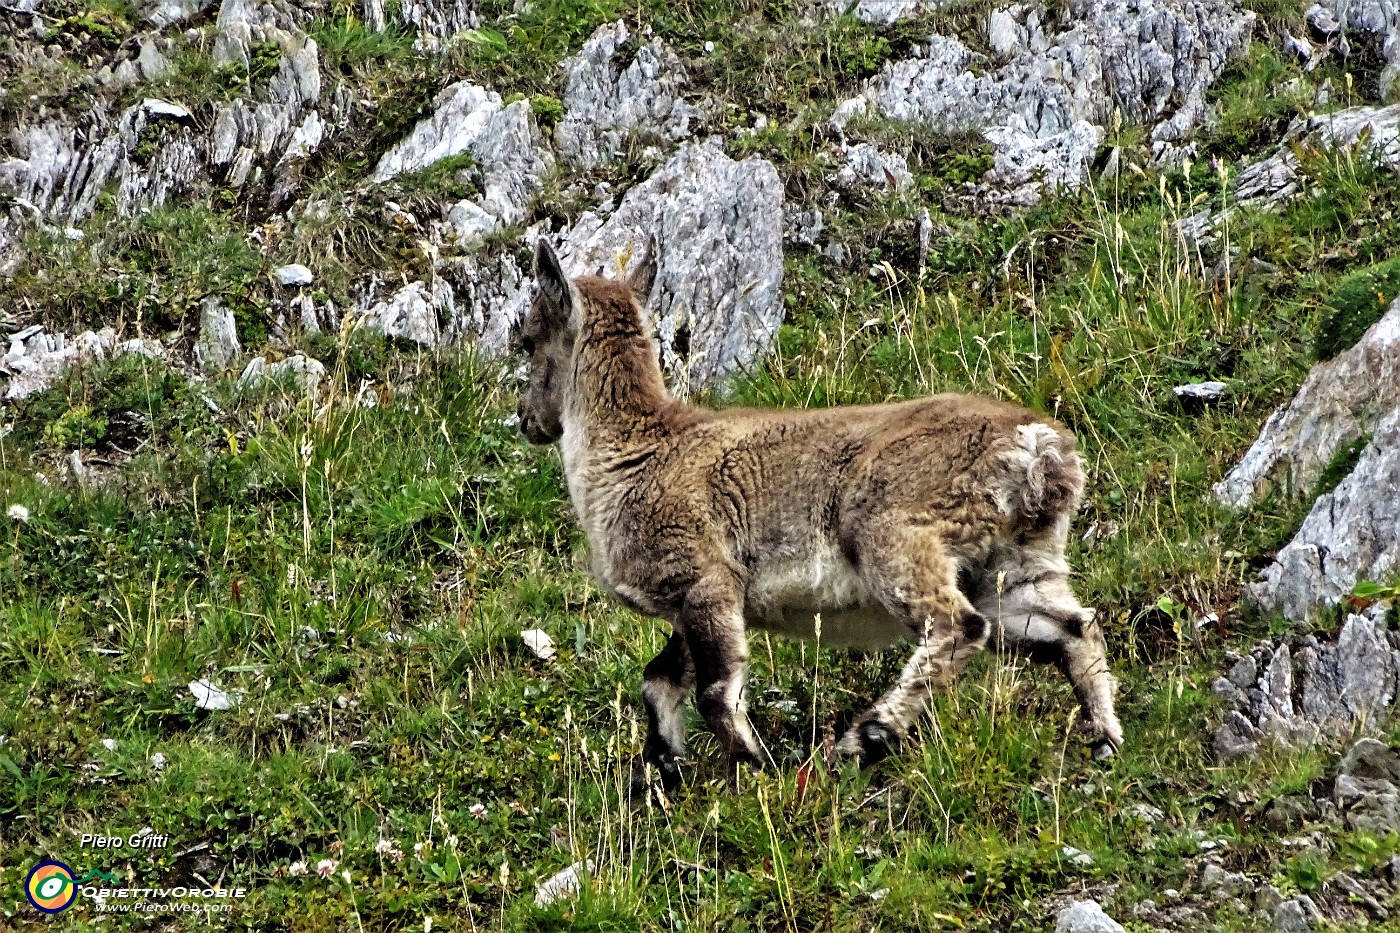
618 389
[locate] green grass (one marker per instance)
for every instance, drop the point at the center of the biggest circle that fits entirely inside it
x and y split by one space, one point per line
359 573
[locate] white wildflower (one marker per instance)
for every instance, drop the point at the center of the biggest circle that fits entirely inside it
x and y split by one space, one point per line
297 868
384 847
109 744
326 867
477 810
158 761
18 513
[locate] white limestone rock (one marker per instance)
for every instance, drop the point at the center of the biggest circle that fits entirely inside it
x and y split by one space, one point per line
1342 399
882 12
709 232
503 141
414 312
1351 535
1276 180
1301 691
218 345
866 166
303 371
294 274
1151 59
1086 917
605 102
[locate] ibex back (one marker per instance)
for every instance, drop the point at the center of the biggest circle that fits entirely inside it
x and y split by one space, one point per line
940 522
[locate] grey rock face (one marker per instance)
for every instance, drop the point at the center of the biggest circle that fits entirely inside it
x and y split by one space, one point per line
605 102
1352 534
711 229
503 141
440 18
1271 182
883 12
1296 915
864 165
218 344
162 13
1086 917
61 165
1334 18
1341 400
1153 59
303 371
1301 691
413 313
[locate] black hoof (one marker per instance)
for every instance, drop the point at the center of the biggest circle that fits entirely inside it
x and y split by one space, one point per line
663 774
1103 750
877 742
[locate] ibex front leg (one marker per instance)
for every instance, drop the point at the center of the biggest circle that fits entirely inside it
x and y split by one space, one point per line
666 683
713 623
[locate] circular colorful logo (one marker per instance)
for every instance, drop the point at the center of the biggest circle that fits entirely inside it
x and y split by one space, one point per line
50 887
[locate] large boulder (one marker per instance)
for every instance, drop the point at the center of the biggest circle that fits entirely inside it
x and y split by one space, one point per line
709 232
605 102
1340 401
1351 535
508 156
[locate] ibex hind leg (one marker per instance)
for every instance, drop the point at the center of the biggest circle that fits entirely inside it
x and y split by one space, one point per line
908 571
1041 617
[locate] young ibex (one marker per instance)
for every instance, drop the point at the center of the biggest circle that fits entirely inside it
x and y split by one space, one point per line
918 521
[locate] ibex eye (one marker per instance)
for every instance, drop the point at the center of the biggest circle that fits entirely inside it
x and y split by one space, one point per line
527 346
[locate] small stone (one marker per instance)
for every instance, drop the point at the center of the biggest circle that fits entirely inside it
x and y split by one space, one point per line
1086 917
564 884
1296 915
163 108
539 642
295 274
210 697
1201 391
109 744
1076 857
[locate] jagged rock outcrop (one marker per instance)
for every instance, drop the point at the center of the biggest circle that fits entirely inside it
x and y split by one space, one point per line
1151 59
1301 691
1351 535
709 232
509 159
863 165
415 312
882 12
432 19
606 103
1335 18
218 345
154 152
1341 400
1273 181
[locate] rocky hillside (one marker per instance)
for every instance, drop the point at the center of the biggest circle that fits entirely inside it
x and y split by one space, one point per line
272 544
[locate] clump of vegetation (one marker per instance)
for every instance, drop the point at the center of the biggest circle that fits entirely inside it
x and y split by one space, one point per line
1340 466
1358 302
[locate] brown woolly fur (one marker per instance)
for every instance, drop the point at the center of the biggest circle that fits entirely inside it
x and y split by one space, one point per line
940 522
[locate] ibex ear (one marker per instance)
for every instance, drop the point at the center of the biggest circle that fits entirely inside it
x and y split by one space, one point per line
641 272
554 285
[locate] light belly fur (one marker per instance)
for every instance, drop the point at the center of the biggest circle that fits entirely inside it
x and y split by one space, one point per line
787 595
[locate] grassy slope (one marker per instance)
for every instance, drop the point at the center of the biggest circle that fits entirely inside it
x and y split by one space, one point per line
215 543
